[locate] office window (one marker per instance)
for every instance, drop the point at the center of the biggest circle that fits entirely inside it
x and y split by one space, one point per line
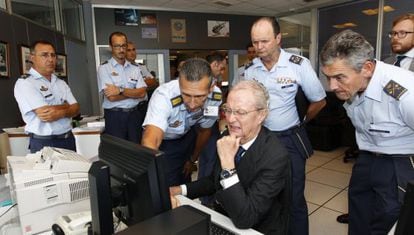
72 16
392 9
358 16
42 12
296 33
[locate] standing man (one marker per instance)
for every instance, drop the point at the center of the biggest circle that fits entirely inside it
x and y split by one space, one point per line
251 54
379 104
402 42
175 111
150 80
46 102
402 45
282 74
217 64
124 90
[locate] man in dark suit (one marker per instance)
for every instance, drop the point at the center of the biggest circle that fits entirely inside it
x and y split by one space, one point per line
251 180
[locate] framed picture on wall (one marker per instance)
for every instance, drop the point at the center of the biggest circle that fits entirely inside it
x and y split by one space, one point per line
148 18
218 28
4 60
178 31
61 66
150 32
25 61
126 17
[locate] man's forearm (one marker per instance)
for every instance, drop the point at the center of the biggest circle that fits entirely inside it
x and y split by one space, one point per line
314 108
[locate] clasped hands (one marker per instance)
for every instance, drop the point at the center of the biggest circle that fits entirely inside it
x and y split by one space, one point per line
111 90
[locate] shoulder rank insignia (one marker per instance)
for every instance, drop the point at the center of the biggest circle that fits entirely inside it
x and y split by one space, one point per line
135 64
24 76
176 101
43 88
394 89
105 62
296 59
246 66
216 96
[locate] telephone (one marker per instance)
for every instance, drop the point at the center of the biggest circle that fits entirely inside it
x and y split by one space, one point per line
73 224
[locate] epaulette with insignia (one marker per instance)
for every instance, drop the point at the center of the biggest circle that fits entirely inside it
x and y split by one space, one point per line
248 65
105 62
24 76
216 96
394 89
133 63
296 59
176 101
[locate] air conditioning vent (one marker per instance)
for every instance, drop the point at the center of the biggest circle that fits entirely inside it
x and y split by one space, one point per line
36 182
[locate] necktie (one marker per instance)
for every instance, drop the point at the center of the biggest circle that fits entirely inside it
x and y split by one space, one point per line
399 58
239 154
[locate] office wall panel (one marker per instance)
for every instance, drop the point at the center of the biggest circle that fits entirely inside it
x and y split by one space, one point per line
196 27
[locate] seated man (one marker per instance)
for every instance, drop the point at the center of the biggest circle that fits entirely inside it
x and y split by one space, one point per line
250 181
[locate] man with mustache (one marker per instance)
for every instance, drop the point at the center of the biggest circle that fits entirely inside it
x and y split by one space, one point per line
46 102
124 90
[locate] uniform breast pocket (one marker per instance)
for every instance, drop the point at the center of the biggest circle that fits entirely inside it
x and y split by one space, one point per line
48 97
175 127
381 130
132 81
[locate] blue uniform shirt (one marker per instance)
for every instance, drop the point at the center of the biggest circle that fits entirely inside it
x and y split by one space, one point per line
167 111
282 84
35 91
126 76
383 115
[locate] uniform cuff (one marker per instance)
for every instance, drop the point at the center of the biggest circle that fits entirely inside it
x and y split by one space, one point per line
183 189
227 183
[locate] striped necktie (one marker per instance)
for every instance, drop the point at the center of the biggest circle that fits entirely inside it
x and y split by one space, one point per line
239 154
399 59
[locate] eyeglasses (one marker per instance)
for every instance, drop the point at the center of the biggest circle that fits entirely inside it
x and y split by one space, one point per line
119 46
237 112
46 55
400 34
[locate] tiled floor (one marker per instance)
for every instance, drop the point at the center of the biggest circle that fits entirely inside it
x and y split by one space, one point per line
326 190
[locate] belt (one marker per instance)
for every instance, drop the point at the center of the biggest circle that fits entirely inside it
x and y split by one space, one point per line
290 131
51 137
127 110
383 154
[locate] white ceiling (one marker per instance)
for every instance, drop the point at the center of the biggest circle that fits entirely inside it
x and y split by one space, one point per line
238 7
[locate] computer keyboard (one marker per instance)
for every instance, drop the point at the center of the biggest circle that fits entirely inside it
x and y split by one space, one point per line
216 229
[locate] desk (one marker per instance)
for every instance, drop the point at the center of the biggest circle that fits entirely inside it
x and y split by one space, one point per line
216 217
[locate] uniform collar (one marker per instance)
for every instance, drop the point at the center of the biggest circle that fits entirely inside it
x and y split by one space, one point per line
281 61
114 63
375 86
37 75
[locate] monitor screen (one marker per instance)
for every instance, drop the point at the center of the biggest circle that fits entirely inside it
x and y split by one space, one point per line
138 186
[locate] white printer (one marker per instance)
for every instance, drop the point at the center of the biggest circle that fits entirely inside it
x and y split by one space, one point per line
46 185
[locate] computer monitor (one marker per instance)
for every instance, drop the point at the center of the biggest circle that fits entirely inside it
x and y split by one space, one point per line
129 178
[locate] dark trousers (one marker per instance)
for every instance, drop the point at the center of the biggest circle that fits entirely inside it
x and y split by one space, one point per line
177 152
207 160
374 194
36 144
126 124
298 145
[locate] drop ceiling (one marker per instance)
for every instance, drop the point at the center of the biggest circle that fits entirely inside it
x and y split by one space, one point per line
238 7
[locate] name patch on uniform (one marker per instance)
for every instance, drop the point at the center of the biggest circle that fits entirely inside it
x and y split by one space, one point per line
394 89
176 101
114 73
296 59
43 88
175 124
211 111
216 96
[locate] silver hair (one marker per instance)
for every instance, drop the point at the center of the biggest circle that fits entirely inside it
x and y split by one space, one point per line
349 46
259 91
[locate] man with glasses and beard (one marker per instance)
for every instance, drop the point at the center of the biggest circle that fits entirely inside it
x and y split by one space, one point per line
124 92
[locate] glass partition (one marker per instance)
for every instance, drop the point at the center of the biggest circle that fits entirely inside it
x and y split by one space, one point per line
42 12
72 16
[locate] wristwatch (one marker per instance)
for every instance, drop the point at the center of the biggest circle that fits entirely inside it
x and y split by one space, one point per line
121 90
227 173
